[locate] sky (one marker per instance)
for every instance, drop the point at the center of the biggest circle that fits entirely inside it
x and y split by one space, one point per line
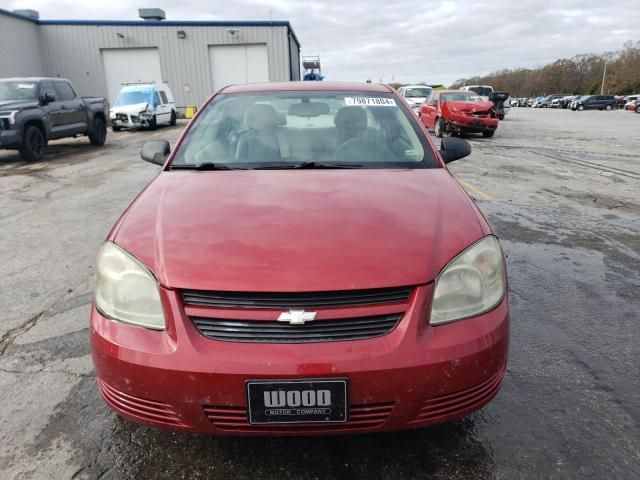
403 41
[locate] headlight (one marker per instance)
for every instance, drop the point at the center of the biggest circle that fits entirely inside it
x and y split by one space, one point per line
472 283
126 290
10 115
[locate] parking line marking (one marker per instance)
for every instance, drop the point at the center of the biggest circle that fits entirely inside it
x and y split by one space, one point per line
475 191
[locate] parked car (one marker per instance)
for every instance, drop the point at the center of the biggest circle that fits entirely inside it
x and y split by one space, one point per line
633 106
538 102
564 102
515 102
143 105
547 102
630 101
482 90
415 95
594 102
523 102
221 306
36 110
457 111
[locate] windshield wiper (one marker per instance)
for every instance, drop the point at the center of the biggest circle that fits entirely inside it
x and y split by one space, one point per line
304 165
203 166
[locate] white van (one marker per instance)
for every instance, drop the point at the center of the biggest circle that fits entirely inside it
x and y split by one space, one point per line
143 105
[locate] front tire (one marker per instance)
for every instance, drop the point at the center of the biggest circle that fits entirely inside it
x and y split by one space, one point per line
607 108
98 132
173 118
34 144
153 123
488 133
440 128
580 108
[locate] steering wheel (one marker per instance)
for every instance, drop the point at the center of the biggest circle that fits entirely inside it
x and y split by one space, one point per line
358 149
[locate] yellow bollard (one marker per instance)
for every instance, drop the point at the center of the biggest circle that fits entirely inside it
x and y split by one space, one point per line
190 111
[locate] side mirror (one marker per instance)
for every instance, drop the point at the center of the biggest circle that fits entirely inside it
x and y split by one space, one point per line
47 98
454 149
155 151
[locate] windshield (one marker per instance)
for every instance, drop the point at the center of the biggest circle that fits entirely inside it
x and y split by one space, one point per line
417 92
133 97
256 130
18 90
461 96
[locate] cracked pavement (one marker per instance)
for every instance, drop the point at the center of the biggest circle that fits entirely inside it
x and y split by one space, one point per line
559 187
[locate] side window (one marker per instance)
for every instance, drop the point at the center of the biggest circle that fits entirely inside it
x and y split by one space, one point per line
156 99
46 88
64 92
163 96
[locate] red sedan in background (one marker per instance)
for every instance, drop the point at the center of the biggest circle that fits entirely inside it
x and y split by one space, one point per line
457 112
304 263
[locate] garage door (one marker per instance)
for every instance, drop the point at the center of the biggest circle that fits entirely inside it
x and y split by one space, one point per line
130 65
234 64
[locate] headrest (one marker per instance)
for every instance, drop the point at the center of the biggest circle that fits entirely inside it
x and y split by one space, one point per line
351 118
262 117
309 109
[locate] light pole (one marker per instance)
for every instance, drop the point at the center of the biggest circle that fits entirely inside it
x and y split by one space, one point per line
604 73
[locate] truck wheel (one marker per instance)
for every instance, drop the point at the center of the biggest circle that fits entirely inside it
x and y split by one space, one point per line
580 108
488 133
173 118
153 123
33 145
98 132
440 128
607 108
501 116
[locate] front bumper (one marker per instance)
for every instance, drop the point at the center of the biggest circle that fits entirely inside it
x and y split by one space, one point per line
130 121
416 375
9 138
472 123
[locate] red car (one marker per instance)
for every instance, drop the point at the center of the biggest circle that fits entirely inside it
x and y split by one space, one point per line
304 263
458 112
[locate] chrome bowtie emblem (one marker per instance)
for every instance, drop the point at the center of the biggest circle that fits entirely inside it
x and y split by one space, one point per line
297 317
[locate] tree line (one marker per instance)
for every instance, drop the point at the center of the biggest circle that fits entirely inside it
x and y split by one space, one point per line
580 75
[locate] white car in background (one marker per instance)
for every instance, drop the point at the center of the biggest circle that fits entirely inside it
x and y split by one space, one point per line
143 105
415 95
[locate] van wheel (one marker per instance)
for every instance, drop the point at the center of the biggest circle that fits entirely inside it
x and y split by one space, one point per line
608 107
440 128
173 118
98 132
580 108
33 145
153 123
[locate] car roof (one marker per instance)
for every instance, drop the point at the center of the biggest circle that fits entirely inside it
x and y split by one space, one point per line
308 86
32 79
417 86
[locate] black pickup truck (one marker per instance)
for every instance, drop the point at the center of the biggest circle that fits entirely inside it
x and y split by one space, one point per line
36 110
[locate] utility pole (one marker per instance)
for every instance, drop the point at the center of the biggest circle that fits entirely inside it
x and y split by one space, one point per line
604 73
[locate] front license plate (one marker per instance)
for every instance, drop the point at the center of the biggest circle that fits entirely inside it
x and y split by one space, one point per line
297 401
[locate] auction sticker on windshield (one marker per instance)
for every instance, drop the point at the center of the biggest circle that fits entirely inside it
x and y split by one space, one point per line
370 101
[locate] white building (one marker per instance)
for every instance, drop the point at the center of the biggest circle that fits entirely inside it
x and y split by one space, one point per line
196 58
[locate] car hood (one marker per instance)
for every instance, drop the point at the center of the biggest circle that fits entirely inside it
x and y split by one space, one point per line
130 109
469 107
419 100
17 104
298 230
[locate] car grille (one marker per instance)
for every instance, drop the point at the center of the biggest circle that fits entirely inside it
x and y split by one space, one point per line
298 299
361 417
278 332
437 409
140 408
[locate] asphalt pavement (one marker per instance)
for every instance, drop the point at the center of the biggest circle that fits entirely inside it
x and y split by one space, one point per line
560 188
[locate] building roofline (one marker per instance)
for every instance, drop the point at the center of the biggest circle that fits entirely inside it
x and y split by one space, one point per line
160 23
